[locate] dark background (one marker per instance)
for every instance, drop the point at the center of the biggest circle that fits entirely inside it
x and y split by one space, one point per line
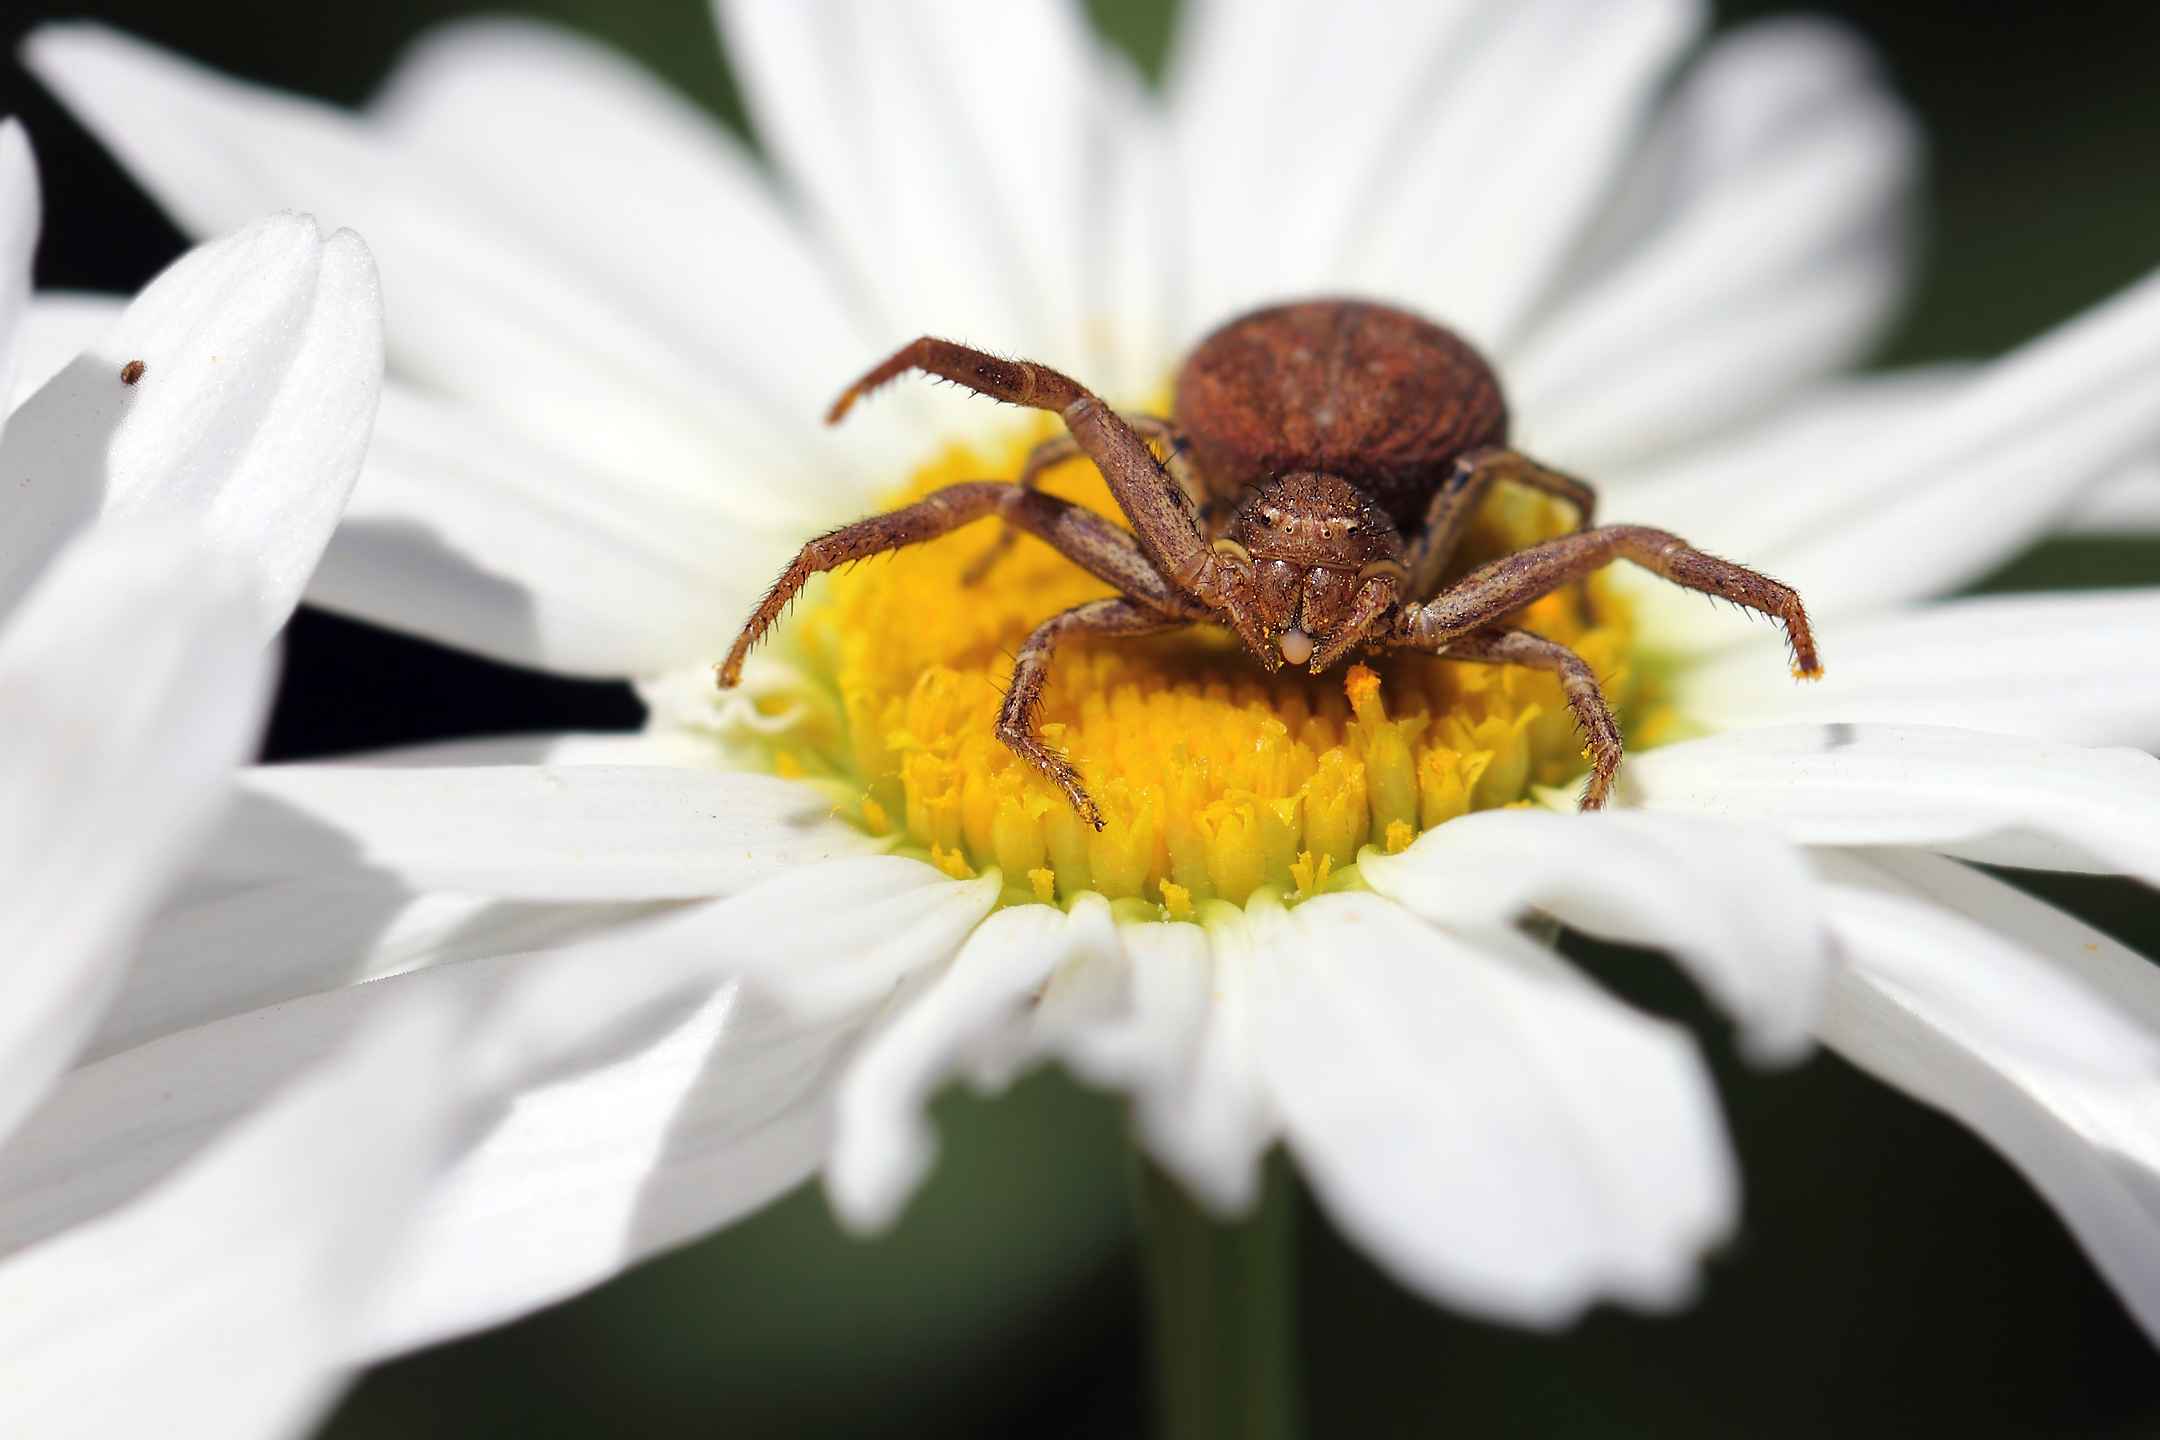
1892 1276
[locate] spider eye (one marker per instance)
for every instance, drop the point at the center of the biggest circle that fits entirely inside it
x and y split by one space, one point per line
1271 515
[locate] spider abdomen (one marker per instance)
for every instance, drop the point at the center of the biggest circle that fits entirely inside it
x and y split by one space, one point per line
1375 395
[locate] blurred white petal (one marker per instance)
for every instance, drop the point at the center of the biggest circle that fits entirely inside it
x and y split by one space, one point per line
637 189
569 832
2128 504
882 1144
1475 214
2004 799
1979 1030
225 1302
131 683
481 307
1290 122
1484 1122
467 533
2079 657
18 249
1735 906
263 356
1761 239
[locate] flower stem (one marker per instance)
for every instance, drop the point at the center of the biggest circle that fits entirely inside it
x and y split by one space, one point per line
1223 1296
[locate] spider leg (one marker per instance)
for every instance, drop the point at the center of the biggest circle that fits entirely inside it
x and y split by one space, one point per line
1101 547
1504 586
1061 448
1031 671
1601 732
1164 518
1456 502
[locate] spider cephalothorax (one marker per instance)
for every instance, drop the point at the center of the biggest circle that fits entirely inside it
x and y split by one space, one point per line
1325 460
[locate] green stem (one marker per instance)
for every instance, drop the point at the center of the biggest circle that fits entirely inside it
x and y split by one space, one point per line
1224 1302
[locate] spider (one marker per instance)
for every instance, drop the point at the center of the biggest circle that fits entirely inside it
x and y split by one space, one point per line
1324 459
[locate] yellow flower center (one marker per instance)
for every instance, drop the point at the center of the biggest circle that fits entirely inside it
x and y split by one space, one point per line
1215 780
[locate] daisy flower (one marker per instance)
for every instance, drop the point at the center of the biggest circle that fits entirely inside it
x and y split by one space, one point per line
611 336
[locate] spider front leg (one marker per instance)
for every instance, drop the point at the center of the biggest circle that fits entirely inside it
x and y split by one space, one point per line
1456 503
1096 545
1061 448
1500 588
1031 671
1164 519
1601 732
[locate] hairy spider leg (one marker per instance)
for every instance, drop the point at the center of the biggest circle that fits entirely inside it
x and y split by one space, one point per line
1031 671
1455 504
1096 545
1601 732
1058 449
1163 517
1495 590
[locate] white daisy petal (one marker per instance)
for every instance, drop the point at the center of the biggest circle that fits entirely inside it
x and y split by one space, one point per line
2003 799
721 1112
892 123
233 1292
1137 311
641 191
2128 504
1902 919
1733 905
1481 1120
263 356
1923 506
106 788
832 939
882 1144
1761 240
2078 656
58 326
569 832
1207 1118
480 309
1290 123
464 532
19 216
1955 1023
597 747
1474 217
210 955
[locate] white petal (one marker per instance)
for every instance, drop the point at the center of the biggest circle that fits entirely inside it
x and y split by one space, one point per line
2003 799
1471 222
883 1146
835 938
263 356
722 1112
2083 1135
480 307
1290 123
894 123
2077 659
1491 1129
209 955
1902 919
58 326
18 248
598 747
636 188
1735 906
538 832
1760 240
131 684
1922 506
1207 1116
228 1298
466 533
2127 504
